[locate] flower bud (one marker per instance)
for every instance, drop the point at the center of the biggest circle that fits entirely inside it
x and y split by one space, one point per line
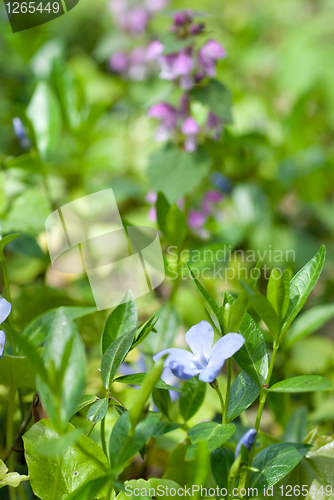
247 440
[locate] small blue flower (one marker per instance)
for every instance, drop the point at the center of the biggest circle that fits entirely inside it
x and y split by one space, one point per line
5 308
205 360
247 440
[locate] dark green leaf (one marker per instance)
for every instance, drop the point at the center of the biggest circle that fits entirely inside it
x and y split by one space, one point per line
138 379
144 330
114 357
7 239
304 383
123 445
212 433
296 428
217 97
309 322
221 463
162 207
97 411
278 291
192 397
120 321
209 303
86 400
302 284
176 173
17 371
165 427
162 401
264 309
243 393
275 462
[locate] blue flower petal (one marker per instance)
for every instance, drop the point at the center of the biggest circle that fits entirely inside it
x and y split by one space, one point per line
247 440
226 347
2 342
5 308
200 338
182 363
211 372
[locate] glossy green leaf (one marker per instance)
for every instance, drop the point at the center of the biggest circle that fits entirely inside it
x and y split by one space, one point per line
278 291
165 427
17 371
91 489
45 116
302 284
264 309
217 97
212 433
275 462
176 173
253 356
144 330
138 379
97 411
209 303
38 329
309 322
162 401
243 393
221 463
10 478
78 462
124 443
192 397
303 383
145 487
7 239
64 359
120 321
114 357
86 400
162 208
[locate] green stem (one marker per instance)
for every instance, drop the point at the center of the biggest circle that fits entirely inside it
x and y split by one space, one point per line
90 430
214 385
263 397
10 437
228 388
103 436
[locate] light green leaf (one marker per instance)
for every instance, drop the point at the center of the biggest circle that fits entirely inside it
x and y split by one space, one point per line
91 488
309 322
78 462
192 397
212 433
17 371
151 484
139 378
278 291
7 239
39 327
264 309
10 479
304 383
144 330
243 393
274 462
209 303
217 97
97 411
176 173
45 116
114 357
302 284
120 321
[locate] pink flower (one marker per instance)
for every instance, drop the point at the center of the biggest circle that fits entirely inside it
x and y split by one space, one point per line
208 55
196 219
209 201
151 197
119 62
190 126
154 50
214 125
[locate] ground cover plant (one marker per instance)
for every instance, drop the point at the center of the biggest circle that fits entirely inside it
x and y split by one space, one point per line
211 124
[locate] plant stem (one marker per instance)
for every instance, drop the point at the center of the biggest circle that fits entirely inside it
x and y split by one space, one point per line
214 385
10 437
90 430
228 388
263 397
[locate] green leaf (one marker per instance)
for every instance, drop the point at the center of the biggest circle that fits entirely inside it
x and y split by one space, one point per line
151 484
45 116
124 443
166 327
253 356
139 378
38 328
308 322
278 292
192 397
86 400
302 284
304 383
91 488
176 173
275 462
65 363
174 44
217 97
177 228
120 321
264 309
296 427
97 411
165 427
7 239
162 401
78 461
114 357
209 303
221 463
212 433
10 478
243 393
144 330
162 207
17 371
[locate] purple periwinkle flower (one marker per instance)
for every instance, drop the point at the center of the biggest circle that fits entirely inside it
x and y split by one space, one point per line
5 309
21 133
204 360
247 440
